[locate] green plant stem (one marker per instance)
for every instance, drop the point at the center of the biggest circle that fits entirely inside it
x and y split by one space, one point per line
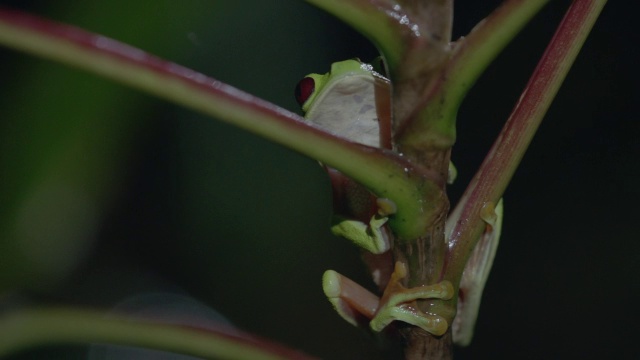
476 51
434 127
385 173
489 183
412 35
24 329
371 19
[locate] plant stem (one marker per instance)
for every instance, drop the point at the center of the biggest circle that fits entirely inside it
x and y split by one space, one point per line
421 345
496 171
434 126
36 327
383 172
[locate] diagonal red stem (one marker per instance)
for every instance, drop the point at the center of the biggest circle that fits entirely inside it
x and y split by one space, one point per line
496 171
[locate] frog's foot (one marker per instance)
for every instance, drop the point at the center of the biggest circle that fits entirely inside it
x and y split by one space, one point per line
400 303
386 207
351 301
476 273
371 237
452 173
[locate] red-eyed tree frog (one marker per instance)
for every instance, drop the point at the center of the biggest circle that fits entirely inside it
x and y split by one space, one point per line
353 101
347 102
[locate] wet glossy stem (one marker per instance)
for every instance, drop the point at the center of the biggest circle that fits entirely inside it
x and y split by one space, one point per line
397 27
424 258
498 168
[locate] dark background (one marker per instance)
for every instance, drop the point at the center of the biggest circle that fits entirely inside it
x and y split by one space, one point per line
107 193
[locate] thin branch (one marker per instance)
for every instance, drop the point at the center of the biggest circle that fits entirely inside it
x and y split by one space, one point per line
383 172
376 19
489 183
413 36
475 52
471 56
27 328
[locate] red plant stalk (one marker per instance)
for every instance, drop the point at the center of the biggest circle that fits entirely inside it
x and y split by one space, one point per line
489 183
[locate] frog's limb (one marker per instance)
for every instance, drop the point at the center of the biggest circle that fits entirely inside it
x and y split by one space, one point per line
380 266
399 303
371 237
475 274
452 173
351 301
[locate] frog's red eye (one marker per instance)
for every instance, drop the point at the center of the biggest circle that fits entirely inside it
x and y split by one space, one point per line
304 89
